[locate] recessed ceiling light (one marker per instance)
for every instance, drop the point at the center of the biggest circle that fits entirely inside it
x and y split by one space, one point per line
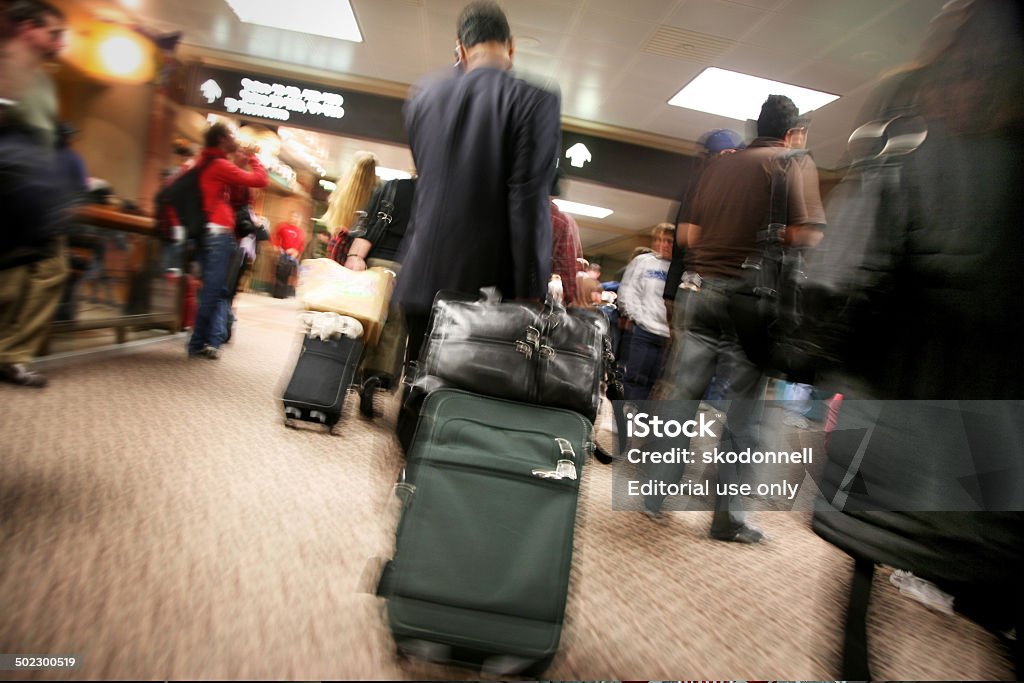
385 173
740 96
583 209
330 18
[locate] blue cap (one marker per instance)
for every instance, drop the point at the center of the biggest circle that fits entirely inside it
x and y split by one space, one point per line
721 139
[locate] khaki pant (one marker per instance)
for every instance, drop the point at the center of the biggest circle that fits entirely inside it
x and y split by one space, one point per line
29 296
386 357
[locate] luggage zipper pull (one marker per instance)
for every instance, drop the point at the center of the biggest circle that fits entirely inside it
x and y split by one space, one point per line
565 468
524 348
531 344
547 352
533 336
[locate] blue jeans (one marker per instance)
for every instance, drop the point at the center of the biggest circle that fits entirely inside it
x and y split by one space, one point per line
643 366
709 344
211 326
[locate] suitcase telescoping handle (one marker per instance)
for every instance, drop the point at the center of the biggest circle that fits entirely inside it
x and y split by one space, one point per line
565 468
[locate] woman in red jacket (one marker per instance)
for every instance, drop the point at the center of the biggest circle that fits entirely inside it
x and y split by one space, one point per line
218 176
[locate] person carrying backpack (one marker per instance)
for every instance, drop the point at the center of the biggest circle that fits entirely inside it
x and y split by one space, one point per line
217 177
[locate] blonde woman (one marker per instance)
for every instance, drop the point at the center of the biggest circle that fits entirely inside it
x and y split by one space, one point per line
350 197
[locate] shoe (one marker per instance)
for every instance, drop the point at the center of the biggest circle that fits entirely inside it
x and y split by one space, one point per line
925 592
656 516
745 534
211 352
603 456
18 373
366 393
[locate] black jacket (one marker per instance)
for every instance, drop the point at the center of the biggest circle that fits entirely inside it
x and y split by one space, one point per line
933 483
33 196
485 145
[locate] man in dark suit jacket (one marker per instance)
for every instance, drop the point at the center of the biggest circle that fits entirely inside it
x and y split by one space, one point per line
485 143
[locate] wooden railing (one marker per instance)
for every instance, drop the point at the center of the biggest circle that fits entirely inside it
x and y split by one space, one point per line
118 259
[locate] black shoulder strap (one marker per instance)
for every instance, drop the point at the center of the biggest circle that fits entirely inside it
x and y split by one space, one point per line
382 215
778 203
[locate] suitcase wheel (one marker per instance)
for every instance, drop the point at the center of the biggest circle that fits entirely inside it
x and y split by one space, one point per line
319 416
423 649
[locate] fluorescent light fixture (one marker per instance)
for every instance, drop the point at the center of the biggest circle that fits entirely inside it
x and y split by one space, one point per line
391 174
740 96
330 18
583 209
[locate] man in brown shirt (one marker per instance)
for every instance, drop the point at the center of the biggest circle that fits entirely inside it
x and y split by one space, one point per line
729 208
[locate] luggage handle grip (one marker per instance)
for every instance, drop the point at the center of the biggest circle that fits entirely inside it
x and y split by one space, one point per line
565 469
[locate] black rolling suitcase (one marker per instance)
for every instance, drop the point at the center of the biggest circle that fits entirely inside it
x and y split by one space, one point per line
321 378
484 547
282 277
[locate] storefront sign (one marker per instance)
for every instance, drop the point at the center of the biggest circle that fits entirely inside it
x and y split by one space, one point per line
627 166
578 155
277 101
347 113
296 103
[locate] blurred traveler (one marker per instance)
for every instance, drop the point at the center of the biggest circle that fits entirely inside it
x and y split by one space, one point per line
218 176
34 198
41 35
588 286
289 238
346 203
728 210
485 144
640 300
929 302
713 144
388 214
566 249
70 164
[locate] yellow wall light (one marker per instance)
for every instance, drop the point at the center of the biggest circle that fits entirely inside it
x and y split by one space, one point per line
111 52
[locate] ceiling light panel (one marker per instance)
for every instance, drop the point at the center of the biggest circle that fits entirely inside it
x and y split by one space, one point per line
582 209
329 18
740 96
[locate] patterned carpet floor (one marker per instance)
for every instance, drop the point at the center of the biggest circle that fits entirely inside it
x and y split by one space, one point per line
159 521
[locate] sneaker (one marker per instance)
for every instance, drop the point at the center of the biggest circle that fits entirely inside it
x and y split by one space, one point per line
655 516
211 352
366 392
745 534
925 592
18 373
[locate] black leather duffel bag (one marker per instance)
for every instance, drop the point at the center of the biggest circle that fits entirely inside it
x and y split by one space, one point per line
546 355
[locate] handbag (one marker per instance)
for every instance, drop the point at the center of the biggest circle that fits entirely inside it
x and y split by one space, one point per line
545 355
373 224
337 246
244 224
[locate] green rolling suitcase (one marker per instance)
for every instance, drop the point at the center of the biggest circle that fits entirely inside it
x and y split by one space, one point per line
484 547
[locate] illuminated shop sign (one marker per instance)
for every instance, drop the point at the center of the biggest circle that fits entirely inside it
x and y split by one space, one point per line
277 101
315 106
273 100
